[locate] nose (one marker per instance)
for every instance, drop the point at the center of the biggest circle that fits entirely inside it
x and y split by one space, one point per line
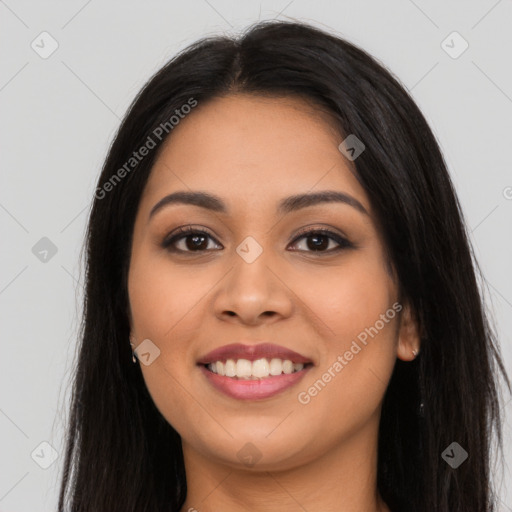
253 293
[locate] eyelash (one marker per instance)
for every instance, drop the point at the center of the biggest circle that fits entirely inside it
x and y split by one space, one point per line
186 231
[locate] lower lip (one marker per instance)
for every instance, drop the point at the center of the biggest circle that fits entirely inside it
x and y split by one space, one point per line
253 389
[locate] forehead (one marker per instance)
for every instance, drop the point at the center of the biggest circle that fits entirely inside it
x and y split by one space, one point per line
242 146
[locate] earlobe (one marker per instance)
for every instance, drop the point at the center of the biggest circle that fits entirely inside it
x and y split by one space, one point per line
408 336
132 344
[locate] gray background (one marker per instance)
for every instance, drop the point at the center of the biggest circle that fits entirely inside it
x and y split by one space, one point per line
59 115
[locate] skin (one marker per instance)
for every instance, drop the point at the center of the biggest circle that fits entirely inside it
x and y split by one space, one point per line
252 152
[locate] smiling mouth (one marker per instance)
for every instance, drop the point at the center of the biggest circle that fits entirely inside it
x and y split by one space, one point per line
243 369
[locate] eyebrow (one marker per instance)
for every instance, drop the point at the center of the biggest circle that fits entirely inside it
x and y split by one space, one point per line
286 205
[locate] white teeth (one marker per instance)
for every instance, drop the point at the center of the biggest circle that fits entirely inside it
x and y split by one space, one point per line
287 366
243 368
276 367
261 368
230 368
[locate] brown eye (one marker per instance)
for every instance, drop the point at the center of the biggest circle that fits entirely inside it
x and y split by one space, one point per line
190 238
319 240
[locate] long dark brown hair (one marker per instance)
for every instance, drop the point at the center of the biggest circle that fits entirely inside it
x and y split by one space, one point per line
123 456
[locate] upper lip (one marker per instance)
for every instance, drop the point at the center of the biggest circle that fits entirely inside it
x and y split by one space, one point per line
252 353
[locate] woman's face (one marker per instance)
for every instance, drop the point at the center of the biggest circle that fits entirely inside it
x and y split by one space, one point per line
254 277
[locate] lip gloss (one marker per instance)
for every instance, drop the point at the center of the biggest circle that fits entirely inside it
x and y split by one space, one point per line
248 389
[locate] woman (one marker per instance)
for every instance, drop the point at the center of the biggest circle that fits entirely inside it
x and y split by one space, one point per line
281 308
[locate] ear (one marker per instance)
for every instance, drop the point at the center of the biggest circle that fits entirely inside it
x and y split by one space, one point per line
408 335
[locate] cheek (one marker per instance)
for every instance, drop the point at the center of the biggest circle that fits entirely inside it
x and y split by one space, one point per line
167 305
165 310
356 308
353 298
163 298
